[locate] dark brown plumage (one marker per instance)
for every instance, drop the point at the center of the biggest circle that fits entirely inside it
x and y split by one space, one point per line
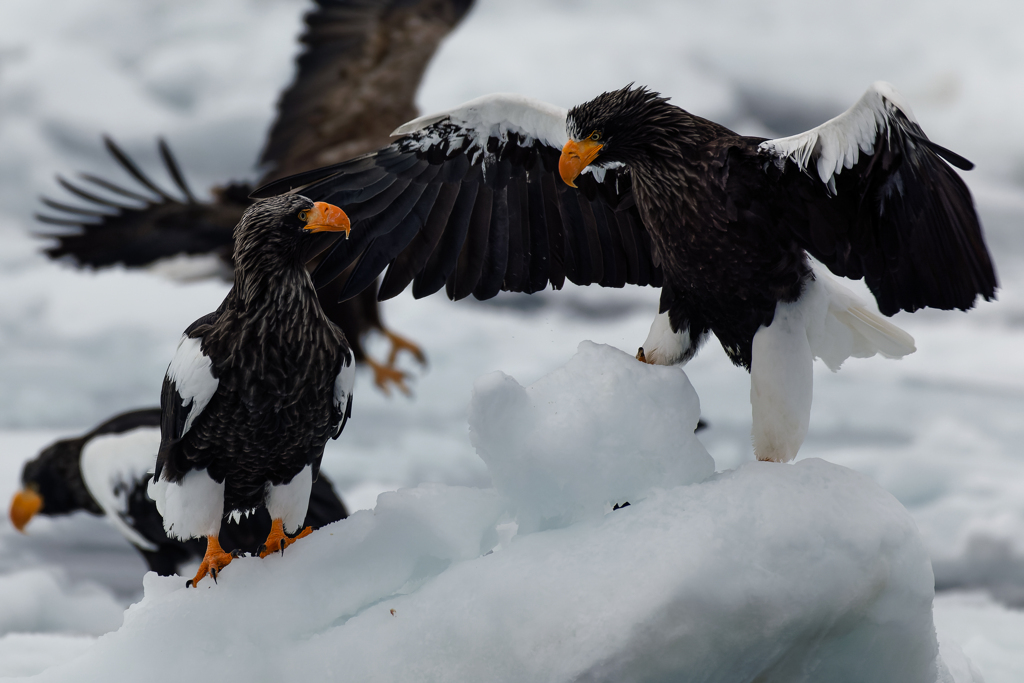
256 388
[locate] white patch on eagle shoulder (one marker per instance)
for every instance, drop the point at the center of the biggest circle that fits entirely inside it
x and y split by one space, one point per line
113 465
192 508
837 143
496 116
289 502
344 383
829 322
191 372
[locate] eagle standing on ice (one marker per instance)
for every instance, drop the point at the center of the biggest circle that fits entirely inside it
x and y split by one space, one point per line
473 200
492 196
255 389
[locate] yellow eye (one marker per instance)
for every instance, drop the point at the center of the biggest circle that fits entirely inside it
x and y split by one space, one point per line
304 216
595 136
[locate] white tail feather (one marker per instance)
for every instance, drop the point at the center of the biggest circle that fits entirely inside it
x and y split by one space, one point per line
849 328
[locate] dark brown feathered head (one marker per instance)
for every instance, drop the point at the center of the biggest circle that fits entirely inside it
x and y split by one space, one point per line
52 484
273 233
621 121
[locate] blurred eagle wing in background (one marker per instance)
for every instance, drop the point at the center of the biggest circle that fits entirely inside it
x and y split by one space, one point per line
356 82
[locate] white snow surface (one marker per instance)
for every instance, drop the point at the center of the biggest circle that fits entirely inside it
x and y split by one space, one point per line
940 430
600 431
769 572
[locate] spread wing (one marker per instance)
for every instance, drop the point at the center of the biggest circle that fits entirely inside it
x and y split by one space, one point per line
471 200
871 196
142 224
357 79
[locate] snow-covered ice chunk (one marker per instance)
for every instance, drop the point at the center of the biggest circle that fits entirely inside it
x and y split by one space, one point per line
603 429
45 601
805 572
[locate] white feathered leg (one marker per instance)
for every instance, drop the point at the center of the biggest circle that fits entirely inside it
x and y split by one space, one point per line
287 506
829 322
781 385
289 502
192 508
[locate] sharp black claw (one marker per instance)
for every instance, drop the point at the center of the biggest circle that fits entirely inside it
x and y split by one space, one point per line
236 553
188 584
262 549
213 573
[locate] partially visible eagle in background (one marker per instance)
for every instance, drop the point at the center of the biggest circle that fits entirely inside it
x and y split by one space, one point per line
356 82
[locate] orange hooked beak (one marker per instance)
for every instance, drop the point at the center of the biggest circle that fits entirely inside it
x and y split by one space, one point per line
324 217
25 505
575 157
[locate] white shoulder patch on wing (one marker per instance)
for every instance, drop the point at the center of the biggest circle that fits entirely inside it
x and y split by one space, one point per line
837 144
192 375
343 385
113 465
497 115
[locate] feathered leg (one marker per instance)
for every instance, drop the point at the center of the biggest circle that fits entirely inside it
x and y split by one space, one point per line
781 385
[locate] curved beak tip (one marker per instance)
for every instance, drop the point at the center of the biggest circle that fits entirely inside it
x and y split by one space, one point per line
24 506
328 218
576 156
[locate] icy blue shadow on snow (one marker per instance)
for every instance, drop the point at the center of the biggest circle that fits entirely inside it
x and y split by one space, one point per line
805 572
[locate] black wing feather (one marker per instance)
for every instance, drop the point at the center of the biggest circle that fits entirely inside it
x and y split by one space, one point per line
901 218
496 216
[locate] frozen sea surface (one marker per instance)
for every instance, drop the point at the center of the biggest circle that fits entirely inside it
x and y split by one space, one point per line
940 430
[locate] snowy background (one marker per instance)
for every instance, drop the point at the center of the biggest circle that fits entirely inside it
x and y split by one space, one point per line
941 430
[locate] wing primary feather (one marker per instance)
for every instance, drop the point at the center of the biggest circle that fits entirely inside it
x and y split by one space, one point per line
411 261
464 278
129 165
446 254
383 249
89 196
496 258
561 252
952 157
541 266
67 208
175 171
516 233
116 189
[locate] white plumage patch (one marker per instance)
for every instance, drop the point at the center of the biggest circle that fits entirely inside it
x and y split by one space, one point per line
289 502
829 322
192 375
343 385
192 508
498 114
665 347
113 465
837 143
